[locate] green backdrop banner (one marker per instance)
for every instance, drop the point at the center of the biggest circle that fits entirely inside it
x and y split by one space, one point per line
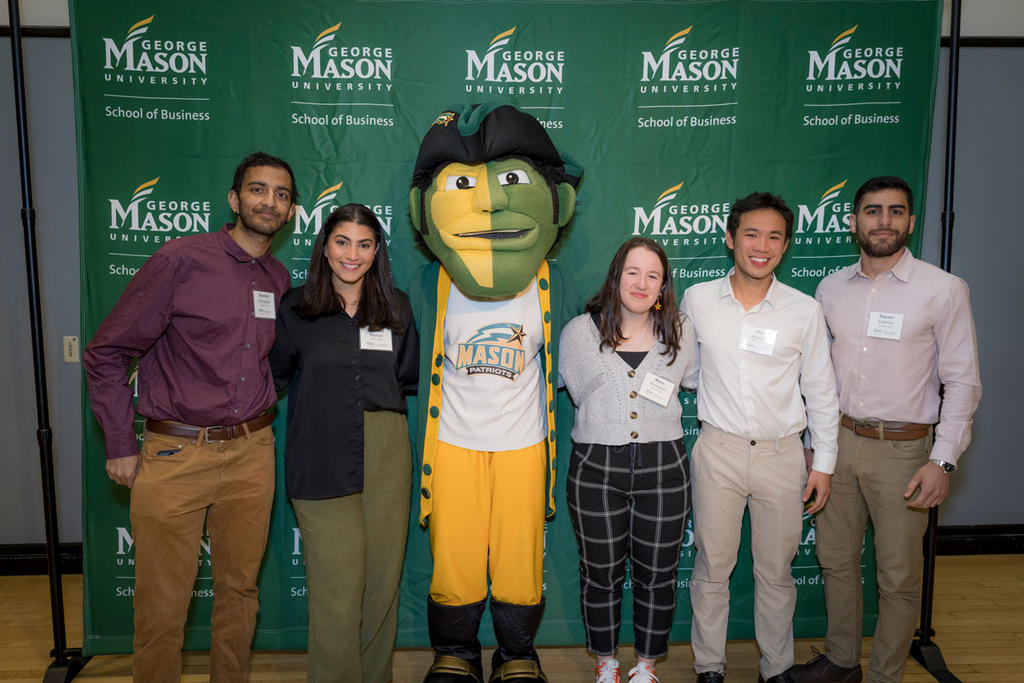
674 109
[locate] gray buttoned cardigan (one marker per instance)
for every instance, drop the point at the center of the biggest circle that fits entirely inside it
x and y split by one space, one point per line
606 390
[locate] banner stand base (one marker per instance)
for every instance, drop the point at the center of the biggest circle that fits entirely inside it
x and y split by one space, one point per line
74 663
929 656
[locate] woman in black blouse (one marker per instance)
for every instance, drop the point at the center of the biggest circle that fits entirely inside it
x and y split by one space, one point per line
347 349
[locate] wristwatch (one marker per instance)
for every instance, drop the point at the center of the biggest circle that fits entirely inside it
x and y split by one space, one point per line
947 467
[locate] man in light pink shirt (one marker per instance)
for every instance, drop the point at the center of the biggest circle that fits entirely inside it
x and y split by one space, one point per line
901 329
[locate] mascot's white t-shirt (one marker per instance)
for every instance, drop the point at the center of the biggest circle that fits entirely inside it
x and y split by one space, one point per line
492 398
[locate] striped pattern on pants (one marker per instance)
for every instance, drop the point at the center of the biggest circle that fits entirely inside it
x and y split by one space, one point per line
629 501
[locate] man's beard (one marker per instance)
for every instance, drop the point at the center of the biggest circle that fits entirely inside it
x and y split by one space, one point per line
261 227
883 249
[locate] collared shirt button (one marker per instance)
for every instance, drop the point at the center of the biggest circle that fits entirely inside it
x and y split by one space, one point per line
632 394
633 415
235 410
248 346
243 379
753 442
633 435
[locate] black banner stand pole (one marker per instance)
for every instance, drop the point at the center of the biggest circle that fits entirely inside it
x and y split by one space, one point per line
922 648
66 662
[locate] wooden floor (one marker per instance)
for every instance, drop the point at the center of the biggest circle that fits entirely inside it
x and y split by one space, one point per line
978 619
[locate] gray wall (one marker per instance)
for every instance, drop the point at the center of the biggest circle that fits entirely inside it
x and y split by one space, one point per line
55 192
989 177
989 184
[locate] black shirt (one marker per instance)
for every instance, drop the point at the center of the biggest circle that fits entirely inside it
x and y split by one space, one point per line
633 358
331 381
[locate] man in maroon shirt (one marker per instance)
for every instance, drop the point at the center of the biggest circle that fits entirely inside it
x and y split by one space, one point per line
200 317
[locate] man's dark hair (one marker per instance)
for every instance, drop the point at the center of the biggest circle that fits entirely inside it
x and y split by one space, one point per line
884 182
262 159
759 200
377 304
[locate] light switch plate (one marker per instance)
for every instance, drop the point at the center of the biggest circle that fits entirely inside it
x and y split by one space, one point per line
70 349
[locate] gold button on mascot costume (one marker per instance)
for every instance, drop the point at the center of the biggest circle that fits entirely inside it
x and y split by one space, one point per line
490 195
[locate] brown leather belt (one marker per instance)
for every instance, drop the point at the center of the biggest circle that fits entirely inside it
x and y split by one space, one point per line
888 431
215 433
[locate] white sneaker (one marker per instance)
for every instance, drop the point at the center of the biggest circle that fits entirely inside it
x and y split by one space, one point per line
642 673
607 671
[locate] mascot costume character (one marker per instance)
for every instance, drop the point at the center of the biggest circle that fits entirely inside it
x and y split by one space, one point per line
490 194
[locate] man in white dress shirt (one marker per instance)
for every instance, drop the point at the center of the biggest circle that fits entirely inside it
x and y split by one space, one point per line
762 345
901 328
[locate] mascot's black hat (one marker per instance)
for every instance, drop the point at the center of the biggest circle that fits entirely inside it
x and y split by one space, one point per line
478 133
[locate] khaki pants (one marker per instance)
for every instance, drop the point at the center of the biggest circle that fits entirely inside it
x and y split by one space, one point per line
353 548
869 481
182 483
488 520
730 473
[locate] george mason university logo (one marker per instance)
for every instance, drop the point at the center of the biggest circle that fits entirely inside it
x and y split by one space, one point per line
500 70
829 215
675 64
139 58
846 67
144 213
666 217
309 222
328 66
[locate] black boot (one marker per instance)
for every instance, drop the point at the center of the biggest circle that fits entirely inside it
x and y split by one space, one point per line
453 630
515 627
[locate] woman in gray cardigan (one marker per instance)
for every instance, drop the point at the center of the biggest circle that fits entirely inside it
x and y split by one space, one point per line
628 487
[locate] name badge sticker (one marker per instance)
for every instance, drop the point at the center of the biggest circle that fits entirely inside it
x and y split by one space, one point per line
657 389
883 325
374 341
758 340
263 305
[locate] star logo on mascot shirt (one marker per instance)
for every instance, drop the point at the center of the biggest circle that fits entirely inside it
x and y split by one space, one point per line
494 350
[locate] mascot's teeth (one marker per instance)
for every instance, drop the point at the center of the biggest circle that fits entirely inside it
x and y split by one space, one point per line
495 234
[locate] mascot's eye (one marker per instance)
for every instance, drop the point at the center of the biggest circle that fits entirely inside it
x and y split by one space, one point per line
459 182
515 177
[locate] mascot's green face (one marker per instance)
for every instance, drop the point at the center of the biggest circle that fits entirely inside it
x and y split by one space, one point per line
492 224
489 194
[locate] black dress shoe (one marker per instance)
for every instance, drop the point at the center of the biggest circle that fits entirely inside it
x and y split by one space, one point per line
711 677
822 670
783 677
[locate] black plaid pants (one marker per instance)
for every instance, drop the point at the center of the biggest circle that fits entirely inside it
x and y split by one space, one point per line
629 501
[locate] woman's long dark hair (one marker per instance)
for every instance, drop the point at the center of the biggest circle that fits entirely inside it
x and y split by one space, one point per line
608 305
377 302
